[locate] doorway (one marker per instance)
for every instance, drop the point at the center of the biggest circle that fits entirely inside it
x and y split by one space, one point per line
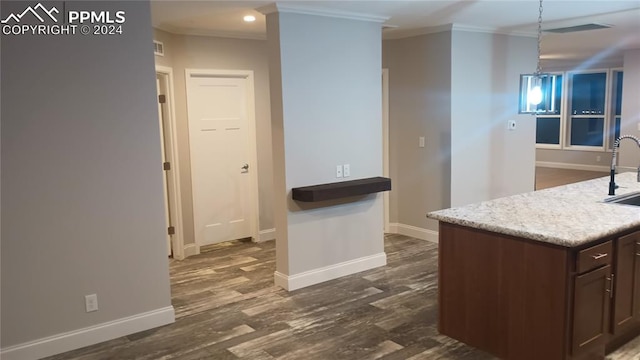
170 164
221 116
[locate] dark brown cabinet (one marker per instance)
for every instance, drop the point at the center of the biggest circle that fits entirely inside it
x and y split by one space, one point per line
520 299
591 309
626 304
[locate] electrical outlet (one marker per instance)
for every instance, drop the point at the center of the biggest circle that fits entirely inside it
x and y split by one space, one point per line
338 171
91 302
346 170
598 158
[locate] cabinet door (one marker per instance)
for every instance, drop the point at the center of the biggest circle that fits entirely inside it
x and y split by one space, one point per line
626 299
636 282
591 309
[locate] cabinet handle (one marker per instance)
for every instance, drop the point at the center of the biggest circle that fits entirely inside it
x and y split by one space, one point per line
599 256
610 289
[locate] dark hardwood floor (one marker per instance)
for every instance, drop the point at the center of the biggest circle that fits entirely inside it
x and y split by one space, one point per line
228 308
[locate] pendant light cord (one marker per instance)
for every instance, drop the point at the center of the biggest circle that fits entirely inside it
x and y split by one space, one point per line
539 68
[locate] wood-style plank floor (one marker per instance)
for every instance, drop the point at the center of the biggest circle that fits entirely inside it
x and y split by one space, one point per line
228 308
550 177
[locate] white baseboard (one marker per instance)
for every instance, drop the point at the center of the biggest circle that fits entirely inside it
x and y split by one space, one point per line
76 339
266 235
316 276
191 249
557 165
414 231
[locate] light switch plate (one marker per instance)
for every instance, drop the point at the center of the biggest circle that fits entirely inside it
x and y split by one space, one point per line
346 170
421 141
338 171
511 125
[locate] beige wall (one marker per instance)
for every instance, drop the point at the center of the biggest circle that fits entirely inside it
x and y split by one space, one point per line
419 105
629 152
82 208
457 89
199 52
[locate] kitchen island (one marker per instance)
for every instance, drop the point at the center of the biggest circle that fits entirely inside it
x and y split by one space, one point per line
551 274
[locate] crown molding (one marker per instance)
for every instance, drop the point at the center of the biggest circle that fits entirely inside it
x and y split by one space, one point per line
401 34
212 33
308 10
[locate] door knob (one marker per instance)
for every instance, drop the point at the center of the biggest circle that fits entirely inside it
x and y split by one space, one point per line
245 168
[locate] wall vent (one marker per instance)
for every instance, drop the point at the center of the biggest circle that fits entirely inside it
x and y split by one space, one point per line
584 27
158 48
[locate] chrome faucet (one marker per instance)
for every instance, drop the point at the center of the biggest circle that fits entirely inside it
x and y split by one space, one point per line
616 145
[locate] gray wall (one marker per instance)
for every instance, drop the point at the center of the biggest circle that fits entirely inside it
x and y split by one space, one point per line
419 105
326 96
82 204
199 52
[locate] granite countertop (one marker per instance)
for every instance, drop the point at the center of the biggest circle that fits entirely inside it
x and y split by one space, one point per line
569 215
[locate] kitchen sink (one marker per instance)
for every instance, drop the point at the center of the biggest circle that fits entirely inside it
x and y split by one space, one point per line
627 199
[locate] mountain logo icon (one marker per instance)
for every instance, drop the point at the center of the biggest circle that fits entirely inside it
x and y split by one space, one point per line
39 11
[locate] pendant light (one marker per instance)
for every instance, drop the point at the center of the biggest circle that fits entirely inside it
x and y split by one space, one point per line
537 90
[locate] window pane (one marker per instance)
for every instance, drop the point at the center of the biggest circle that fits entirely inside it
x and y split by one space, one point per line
588 93
587 131
548 130
617 93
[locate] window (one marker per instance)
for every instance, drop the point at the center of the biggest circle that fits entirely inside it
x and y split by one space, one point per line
588 114
586 123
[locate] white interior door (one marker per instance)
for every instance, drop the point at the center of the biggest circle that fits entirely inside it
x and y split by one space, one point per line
164 159
218 135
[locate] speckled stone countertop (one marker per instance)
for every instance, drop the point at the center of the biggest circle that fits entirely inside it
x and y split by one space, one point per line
569 215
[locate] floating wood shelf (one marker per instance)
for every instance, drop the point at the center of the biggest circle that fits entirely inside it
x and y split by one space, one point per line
341 189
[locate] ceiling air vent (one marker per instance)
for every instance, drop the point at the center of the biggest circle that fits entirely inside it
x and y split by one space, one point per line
158 48
577 28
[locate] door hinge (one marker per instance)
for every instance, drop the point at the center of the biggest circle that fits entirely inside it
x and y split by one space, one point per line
166 165
171 230
162 99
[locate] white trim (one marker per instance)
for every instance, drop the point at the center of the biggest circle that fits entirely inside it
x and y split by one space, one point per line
558 165
267 235
309 10
175 203
401 33
251 137
316 276
385 143
414 231
76 339
191 250
214 33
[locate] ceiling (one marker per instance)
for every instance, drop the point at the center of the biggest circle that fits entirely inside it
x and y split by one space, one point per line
405 18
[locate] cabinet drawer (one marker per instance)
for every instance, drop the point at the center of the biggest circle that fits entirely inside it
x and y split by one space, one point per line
594 257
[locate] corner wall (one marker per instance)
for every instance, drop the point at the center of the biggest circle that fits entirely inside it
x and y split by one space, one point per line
419 105
327 110
82 199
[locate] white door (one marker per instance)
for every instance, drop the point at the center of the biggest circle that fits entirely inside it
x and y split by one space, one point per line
161 113
218 136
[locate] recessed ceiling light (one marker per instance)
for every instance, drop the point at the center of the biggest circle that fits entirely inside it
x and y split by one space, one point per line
249 18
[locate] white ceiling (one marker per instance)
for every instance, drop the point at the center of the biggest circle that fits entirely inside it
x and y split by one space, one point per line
224 18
